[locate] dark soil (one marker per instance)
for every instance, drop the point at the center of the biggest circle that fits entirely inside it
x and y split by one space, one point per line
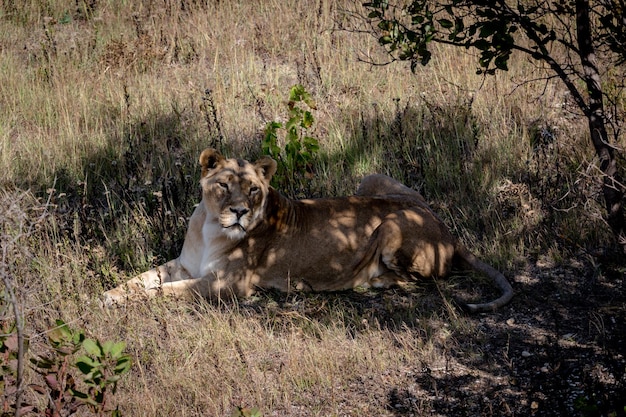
557 350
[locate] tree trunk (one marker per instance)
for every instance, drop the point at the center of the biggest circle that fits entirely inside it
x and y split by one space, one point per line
612 188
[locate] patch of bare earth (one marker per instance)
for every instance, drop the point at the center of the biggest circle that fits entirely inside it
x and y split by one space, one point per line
558 349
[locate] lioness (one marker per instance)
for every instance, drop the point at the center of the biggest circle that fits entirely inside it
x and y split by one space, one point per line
244 235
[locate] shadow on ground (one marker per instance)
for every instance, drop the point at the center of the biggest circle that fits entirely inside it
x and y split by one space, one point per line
557 349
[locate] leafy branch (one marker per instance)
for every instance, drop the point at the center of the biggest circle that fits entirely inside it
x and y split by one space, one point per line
101 367
296 157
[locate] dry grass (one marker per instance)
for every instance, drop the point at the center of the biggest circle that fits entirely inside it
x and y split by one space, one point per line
105 109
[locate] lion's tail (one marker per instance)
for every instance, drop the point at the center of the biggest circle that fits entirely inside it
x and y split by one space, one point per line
500 280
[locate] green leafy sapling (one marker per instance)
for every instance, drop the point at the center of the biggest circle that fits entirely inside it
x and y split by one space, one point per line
296 157
100 368
55 369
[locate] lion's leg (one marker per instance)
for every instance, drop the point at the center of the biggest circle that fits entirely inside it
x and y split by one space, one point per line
410 243
173 279
209 287
370 272
416 244
155 281
373 270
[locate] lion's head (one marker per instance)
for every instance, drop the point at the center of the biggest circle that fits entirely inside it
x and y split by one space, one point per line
234 191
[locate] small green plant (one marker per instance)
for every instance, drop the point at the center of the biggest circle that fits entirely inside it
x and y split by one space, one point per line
55 369
296 157
100 370
246 412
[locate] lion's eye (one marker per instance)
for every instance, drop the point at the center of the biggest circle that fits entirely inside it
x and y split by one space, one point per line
223 185
254 190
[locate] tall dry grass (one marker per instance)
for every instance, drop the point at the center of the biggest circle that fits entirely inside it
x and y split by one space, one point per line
105 107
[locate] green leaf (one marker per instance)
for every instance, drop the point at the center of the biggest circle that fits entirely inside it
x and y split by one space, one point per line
60 333
117 349
417 20
486 31
311 144
292 123
307 120
106 347
113 379
308 100
385 40
123 365
99 397
269 143
501 62
85 368
481 44
542 28
78 339
67 18
88 360
458 24
93 347
297 93
384 25
89 400
273 126
60 323
292 148
445 23
294 112
79 394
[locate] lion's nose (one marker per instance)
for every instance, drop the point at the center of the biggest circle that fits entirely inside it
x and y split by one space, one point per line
239 211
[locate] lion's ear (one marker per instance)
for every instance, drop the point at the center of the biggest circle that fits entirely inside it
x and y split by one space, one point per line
209 158
266 166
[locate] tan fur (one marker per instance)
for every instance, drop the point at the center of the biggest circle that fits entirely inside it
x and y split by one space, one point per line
245 235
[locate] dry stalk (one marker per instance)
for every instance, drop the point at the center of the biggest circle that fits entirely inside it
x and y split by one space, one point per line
14 211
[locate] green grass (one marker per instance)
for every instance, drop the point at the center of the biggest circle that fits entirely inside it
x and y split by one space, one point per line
104 113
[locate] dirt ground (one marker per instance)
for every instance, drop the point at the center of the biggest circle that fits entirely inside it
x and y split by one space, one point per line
560 349
557 350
